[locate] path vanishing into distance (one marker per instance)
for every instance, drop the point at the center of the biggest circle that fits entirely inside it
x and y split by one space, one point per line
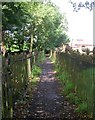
47 102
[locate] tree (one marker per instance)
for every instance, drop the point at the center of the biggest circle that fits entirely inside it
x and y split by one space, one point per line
32 26
14 20
88 5
48 25
40 21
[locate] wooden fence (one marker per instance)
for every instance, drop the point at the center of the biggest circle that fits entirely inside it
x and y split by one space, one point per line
81 73
14 80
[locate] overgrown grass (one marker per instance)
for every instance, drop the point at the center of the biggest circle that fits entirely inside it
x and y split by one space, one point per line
41 57
77 84
82 108
70 94
36 71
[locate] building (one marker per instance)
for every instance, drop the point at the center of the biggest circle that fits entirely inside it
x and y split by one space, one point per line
79 43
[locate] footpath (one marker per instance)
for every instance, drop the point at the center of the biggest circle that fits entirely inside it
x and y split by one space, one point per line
47 102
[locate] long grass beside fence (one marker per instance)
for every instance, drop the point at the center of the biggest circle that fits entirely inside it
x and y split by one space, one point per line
78 78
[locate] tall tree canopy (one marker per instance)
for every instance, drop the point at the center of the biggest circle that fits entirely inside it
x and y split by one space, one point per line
39 24
88 5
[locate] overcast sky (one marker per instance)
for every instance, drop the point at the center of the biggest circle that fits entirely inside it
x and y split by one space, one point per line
80 23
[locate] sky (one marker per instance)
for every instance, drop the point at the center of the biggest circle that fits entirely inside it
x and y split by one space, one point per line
80 23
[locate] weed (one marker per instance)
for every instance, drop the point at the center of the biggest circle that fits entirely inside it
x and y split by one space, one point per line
77 100
80 75
41 58
69 87
36 71
71 97
82 108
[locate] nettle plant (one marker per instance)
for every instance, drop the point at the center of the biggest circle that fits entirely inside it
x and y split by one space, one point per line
87 4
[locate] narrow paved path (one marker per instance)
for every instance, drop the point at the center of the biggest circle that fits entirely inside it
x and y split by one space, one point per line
47 102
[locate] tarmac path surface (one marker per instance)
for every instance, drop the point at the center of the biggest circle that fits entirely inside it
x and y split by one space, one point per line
47 102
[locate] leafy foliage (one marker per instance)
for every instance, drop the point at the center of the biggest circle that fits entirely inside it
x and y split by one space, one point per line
41 20
14 21
41 57
36 71
88 5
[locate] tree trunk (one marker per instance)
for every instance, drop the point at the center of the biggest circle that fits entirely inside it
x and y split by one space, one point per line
93 94
50 53
0 87
29 66
54 55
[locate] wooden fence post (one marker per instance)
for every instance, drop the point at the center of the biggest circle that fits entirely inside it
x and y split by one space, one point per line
93 94
29 71
0 87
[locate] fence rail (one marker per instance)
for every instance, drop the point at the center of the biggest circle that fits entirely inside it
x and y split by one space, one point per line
14 80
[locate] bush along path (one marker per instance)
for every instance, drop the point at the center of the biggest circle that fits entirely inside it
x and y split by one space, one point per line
45 101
